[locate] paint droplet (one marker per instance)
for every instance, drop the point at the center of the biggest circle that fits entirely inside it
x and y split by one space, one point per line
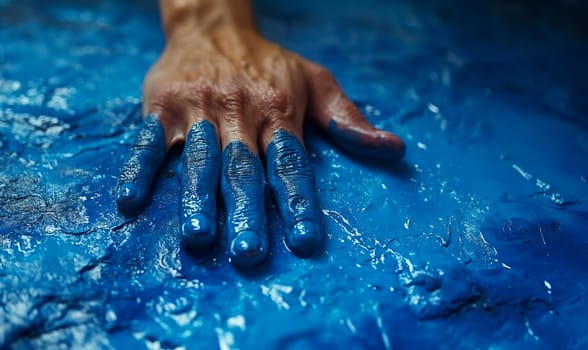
523 173
407 224
433 108
237 321
548 286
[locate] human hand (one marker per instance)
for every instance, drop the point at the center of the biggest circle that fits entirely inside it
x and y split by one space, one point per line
233 99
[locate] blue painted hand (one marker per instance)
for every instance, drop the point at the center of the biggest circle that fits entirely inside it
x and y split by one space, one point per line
234 98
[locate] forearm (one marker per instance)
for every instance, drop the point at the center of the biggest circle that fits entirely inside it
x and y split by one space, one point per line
205 16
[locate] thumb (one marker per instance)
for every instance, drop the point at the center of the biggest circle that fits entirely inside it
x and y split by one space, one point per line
341 119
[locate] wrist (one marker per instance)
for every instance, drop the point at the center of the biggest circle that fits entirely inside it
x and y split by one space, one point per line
205 17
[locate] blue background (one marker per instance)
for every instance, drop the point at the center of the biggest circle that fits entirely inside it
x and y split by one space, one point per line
477 240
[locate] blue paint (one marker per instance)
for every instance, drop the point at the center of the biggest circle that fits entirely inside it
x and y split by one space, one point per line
199 173
243 190
136 176
360 145
481 245
291 177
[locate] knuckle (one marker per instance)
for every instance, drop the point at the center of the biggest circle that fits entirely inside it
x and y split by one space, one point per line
324 75
199 95
277 106
175 96
277 99
151 139
245 172
233 99
241 167
325 81
297 202
354 117
292 161
145 149
162 98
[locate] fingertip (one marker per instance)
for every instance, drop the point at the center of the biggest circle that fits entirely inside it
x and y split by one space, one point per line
198 231
305 238
367 142
392 144
247 249
343 121
129 199
127 192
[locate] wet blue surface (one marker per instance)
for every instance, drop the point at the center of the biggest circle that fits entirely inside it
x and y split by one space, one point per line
477 240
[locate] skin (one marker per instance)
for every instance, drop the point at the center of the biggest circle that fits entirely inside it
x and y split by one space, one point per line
234 98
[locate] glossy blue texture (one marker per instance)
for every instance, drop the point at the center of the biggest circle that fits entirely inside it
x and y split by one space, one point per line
243 189
479 241
199 172
145 158
291 177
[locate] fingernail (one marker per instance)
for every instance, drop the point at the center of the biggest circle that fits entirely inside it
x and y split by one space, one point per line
127 198
305 238
127 192
198 231
247 249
